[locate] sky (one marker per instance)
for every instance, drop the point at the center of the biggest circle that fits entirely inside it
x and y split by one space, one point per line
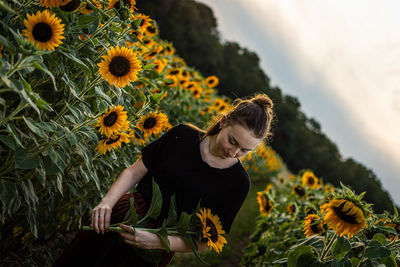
339 59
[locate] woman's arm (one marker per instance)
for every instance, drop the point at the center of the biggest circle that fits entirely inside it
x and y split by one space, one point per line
147 240
127 179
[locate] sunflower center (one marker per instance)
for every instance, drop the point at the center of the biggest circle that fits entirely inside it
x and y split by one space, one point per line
343 214
42 32
110 119
119 66
113 140
310 180
151 29
211 81
149 123
315 227
153 53
71 6
213 230
299 191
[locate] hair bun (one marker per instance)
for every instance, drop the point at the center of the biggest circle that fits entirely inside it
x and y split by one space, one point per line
263 100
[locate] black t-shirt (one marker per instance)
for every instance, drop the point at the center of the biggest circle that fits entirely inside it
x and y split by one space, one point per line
175 162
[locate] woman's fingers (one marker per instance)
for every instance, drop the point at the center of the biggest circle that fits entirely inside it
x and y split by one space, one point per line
107 219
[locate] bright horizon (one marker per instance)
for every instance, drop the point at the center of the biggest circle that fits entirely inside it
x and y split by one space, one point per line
339 60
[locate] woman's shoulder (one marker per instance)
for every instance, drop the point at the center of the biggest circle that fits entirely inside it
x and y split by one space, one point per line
186 130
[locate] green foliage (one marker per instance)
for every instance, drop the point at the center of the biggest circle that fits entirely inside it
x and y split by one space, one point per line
278 239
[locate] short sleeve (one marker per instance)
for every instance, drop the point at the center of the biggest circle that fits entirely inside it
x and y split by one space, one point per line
154 152
233 205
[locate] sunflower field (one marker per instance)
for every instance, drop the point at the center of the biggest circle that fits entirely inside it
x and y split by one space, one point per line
305 223
84 86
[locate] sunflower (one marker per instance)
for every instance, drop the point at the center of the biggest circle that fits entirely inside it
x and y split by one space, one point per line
265 203
212 229
70 5
344 216
44 29
313 225
151 30
291 208
308 179
172 81
190 85
1 50
139 140
145 21
298 190
114 141
329 188
113 121
120 66
50 3
168 50
152 123
212 81
159 65
116 4
152 53
86 8
196 92
174 72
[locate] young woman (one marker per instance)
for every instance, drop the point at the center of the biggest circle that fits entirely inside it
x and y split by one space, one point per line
191 164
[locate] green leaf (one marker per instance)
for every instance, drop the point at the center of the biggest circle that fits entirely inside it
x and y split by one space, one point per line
56 158
183 224
354 261
22 161
32 126
156 203
41 175
74 111
303 256
100 93
340 247
6 43
9 141
48 126
59 183
315 241
32 222
380 238
29 193
12 131
83 20
36 98
389 261
71 137
80 63
376 252
40 66
7 192
131 216
172 215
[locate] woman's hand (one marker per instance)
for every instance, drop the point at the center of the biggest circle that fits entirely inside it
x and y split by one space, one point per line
140 239
101 215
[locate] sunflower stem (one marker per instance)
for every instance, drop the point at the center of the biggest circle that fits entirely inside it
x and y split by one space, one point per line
15 67
20 107
328 247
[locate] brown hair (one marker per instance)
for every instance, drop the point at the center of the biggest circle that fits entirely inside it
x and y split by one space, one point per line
254 113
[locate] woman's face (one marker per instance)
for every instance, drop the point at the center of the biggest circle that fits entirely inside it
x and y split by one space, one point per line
234 141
